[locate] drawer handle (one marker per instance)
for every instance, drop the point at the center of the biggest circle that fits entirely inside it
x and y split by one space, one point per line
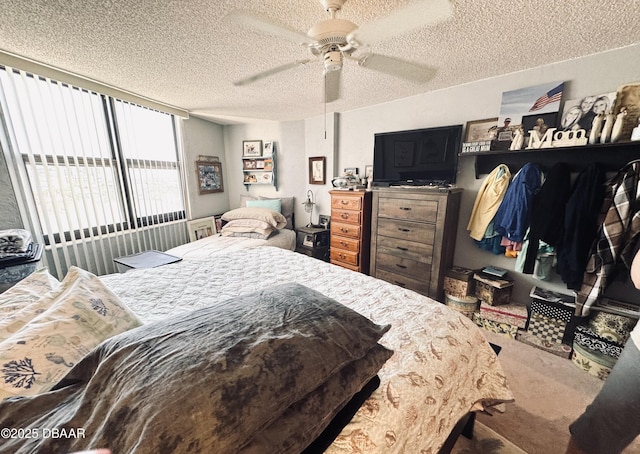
344 216
344 230
405 208
344 244
401 266
400 284
402 248
344 202
342 256
404 230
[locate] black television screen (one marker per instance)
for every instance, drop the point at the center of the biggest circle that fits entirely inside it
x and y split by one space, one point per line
418 157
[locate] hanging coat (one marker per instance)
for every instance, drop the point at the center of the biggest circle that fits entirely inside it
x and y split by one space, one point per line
616 236
488 200
547 213
513 216
580 225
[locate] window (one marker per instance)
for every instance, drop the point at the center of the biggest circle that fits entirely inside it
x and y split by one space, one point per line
95 164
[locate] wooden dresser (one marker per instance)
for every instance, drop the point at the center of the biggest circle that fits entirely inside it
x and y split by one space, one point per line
413 236
350 229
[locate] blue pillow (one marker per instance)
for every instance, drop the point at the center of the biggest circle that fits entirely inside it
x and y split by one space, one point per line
272 204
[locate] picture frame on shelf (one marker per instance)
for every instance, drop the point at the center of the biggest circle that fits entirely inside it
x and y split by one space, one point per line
324 220
266 178
251 148
250 164
368 171
201 228
351 171
626 111
481 130
317 170
209 175
267 148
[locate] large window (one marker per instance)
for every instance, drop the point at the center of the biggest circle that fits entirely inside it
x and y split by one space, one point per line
95 164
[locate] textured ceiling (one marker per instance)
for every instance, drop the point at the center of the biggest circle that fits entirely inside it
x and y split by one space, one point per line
184 53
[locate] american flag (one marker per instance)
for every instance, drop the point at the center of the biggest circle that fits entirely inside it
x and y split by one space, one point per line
549 97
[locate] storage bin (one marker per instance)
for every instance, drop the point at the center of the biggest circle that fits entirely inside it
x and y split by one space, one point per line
592 362
493 291
493 326
552 316
466 305
458 282
513 314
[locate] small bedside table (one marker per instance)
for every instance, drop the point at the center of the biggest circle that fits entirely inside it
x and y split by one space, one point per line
313 241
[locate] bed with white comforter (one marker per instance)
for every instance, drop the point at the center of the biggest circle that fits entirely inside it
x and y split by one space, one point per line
441 369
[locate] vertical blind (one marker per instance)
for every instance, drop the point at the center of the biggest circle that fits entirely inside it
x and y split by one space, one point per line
100 178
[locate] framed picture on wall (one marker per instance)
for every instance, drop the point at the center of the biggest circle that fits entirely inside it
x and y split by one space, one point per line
201 228
209 177
251 148
317 170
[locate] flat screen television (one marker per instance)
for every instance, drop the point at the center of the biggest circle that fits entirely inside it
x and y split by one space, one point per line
420 157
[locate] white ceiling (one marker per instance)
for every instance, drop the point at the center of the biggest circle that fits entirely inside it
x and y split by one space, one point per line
183 53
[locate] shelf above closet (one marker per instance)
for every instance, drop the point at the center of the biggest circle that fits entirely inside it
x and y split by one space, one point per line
612 156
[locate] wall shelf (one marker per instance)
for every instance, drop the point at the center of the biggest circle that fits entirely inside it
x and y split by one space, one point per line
260 170
612 156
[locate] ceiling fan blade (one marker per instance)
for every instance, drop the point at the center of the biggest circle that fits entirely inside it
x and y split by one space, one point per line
251 20
270 72
414 15
332 86
398 68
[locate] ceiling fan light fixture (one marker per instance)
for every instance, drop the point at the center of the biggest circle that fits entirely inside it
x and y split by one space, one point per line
331 31
332 61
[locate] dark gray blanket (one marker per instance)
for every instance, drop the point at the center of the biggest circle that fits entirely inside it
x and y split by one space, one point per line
204 382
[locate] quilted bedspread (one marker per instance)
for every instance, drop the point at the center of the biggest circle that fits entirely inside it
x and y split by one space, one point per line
442 365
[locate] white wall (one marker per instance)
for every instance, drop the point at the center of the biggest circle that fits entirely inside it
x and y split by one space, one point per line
289 139
200 137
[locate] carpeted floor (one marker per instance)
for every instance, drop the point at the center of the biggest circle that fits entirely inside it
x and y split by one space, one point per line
550 393
485 441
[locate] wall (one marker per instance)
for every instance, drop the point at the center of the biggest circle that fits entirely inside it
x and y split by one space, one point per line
10 218
200 137
590 75
289 139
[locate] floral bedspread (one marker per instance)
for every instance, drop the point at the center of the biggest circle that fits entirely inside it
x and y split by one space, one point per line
442 367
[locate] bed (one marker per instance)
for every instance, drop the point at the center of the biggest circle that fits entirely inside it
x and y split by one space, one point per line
432 365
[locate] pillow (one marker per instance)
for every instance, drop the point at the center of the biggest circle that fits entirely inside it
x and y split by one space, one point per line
27 291
250 223
274 218
80 316
231 368
272 204
286 210
305 420
244 199
252 235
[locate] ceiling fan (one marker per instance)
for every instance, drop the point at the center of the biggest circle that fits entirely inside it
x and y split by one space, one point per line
334 40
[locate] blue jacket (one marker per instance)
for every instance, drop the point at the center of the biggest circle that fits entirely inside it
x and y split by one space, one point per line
514 215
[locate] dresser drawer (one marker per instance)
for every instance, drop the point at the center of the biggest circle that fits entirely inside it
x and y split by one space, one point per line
420 286
339 229
340 255
407 230
420 252
413 210
346 203
350 217
344 243
404 266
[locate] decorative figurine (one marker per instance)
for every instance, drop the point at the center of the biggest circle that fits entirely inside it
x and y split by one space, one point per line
618 125
608 126
596 129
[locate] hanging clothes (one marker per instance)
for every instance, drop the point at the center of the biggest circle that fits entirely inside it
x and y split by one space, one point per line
513 216
616 236
580 224
547 213
488 200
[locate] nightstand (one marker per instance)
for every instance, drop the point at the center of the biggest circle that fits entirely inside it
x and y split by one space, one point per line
313 241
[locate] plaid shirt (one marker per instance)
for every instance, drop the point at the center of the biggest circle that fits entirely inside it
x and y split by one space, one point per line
616 236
